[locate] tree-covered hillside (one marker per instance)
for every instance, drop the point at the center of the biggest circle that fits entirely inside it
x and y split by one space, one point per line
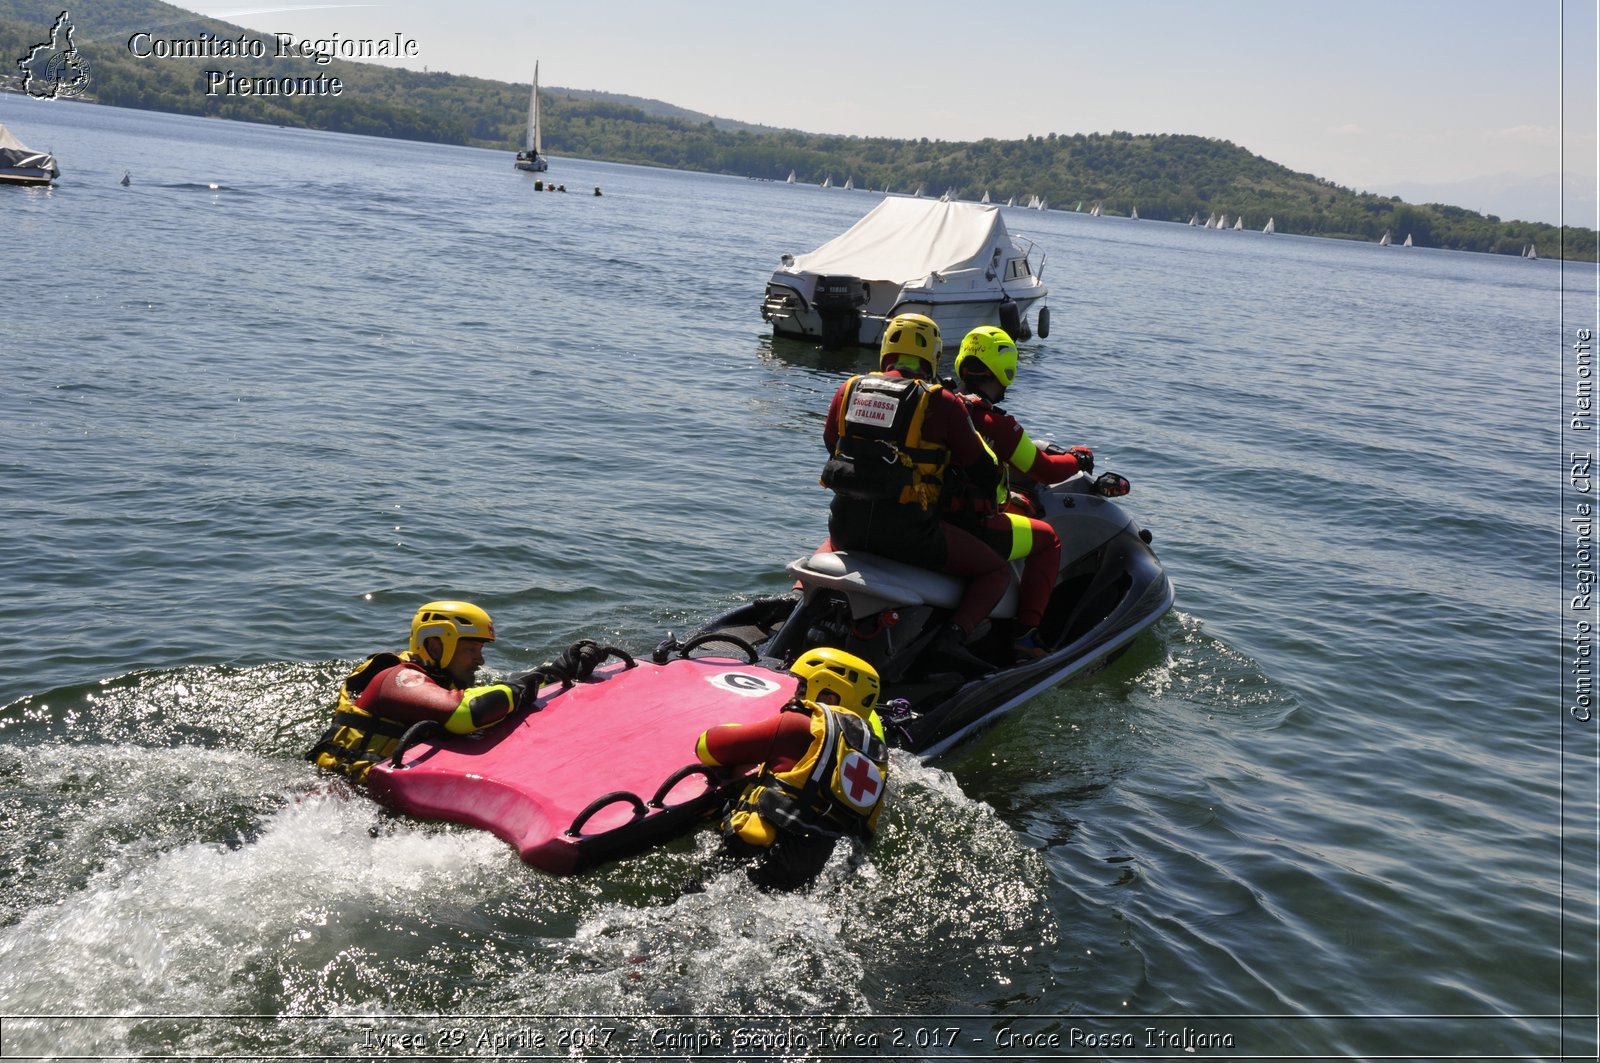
1163 176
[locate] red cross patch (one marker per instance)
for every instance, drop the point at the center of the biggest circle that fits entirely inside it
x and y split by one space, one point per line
861 780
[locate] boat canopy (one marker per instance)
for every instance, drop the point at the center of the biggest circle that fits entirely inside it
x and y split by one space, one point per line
904 240
14 152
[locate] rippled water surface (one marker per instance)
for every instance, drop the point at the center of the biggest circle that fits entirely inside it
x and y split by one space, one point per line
286 385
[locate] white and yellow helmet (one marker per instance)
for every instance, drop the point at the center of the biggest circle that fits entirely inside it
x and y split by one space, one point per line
449 622
911 336
827 670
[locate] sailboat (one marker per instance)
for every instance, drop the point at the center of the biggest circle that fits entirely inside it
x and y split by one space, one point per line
1238 224
1011 202
1094 211
849 184
1384 241
1194 219
531 157
827 182
791 177
1135 214
1408 241
1532 252
985 198
1271 226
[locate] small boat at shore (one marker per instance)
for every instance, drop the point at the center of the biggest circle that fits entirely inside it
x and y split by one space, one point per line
955 262
21 165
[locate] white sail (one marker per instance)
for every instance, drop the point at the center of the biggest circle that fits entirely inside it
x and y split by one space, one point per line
1408 241
534 143
1238 223
827 182
1384 241
849 184
1533 252
918 193
1194 219
1011 202
985 198
1270 226
1135 214
531 157
791 177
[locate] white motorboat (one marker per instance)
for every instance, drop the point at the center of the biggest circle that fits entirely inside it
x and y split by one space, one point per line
21 165
531 157
955 262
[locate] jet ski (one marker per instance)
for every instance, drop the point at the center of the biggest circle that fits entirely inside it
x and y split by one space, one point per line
1110 588
604 765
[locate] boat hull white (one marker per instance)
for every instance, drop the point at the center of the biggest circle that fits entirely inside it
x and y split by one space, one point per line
25 175
532 163
955 262
793 313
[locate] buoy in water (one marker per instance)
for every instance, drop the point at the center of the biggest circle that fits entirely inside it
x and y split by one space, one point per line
126 179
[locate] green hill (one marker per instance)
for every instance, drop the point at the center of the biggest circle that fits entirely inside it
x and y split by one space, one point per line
1163 176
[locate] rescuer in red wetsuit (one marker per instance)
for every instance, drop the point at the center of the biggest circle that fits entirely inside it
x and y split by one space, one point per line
824 767
985 367
432 680
891 436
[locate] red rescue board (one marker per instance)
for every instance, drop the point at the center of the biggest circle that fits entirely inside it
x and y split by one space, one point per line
600 770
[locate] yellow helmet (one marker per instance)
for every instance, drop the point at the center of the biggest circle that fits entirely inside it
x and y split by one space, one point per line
913 336
993 348
449 622
852 680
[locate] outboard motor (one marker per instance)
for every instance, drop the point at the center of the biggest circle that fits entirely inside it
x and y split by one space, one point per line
838 300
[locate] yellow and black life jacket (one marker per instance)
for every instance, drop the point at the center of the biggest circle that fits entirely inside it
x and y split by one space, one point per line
881 454
356 740
835 790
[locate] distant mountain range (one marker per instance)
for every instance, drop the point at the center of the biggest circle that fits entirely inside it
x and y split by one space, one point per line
1162 176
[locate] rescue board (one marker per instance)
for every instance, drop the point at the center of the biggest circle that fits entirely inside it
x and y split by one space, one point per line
599 770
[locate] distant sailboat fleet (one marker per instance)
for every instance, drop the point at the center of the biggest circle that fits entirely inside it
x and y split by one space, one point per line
1219 221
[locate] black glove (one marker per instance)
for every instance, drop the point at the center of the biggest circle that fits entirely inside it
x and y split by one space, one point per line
525 687
1085 458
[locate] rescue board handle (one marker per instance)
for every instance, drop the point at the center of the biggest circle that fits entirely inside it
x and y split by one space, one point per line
671 645
414 734
713 783
616 796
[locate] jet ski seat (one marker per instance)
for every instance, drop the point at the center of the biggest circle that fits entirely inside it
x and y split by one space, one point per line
873 583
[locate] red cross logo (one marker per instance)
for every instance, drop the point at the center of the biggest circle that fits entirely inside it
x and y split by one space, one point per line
861 778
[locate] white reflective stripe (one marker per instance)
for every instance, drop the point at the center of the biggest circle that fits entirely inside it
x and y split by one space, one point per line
830 737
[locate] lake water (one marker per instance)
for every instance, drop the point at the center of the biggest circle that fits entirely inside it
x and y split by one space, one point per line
286 385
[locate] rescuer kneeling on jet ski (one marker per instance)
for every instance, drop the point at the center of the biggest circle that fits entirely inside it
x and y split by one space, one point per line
892 435
824 765
432 680
986 366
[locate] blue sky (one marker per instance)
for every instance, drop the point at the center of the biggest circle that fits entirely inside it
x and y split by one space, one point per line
1460 101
